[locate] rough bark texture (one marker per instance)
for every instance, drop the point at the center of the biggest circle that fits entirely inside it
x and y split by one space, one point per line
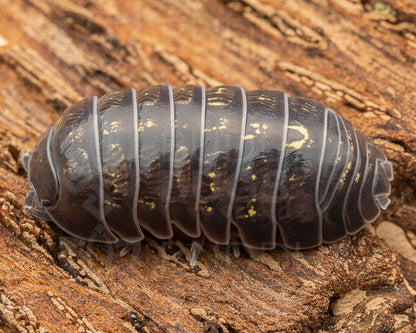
356 56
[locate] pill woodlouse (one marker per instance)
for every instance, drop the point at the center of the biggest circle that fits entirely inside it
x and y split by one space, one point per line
273 169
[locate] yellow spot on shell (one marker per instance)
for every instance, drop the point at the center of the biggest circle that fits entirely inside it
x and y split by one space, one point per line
182 148
150 204
149 123
255 125
212 187
211 174
344 175
209 209
253 177
251 211
249 137
303 131
249 167
224 123
357 177
218 103
115 125
210 129
113 204
348 166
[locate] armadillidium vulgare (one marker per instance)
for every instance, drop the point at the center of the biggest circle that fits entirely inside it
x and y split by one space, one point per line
274 170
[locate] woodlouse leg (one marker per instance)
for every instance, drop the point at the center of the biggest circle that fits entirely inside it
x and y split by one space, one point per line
133 247
196 247
253 253
234 245
236 249
124 250
235 242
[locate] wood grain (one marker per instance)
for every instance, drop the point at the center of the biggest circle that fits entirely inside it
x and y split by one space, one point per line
358 57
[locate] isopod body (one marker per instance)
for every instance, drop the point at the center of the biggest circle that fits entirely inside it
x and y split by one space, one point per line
274 170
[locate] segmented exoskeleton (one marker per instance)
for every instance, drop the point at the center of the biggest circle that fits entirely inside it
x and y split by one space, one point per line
272 169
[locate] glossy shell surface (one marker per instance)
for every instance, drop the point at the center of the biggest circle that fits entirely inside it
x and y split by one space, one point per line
259 165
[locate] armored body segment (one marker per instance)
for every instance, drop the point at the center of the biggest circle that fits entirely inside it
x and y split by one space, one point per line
335 226
76 158
354 216
225 119
298 213
190 106
156 147
331 153
340 166
118 131
264 144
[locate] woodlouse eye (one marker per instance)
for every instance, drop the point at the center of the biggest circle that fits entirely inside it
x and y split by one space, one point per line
45 203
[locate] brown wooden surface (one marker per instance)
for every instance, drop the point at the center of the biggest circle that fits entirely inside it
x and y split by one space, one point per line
358 57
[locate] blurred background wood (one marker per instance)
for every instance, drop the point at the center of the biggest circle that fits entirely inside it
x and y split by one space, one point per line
357 57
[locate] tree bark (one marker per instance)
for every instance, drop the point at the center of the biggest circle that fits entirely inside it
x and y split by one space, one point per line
358 57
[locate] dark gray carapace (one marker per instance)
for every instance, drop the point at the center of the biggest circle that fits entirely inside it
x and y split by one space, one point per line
272 169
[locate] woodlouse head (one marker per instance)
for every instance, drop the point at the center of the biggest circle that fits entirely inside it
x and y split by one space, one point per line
41 176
